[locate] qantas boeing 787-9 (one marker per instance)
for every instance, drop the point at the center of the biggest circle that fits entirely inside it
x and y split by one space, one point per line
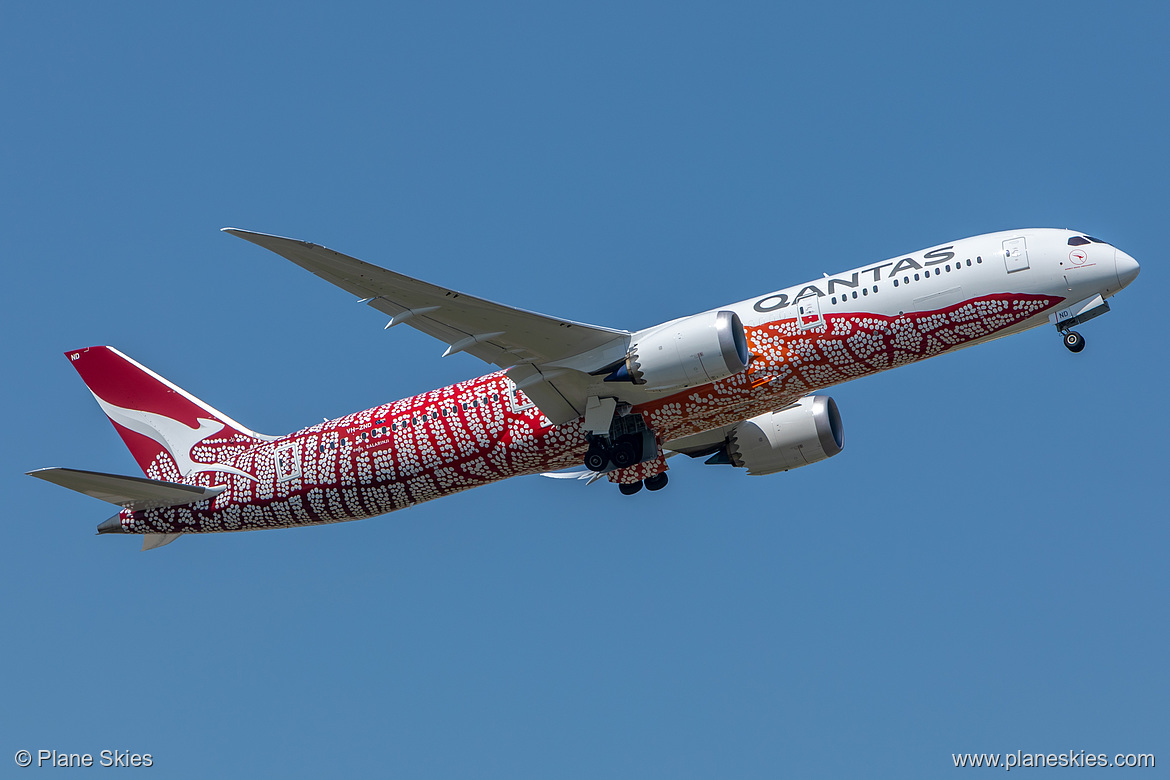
736 385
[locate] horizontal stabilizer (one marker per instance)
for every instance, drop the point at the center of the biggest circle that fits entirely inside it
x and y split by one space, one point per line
133 493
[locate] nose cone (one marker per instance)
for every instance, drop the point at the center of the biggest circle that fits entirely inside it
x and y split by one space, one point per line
1127 268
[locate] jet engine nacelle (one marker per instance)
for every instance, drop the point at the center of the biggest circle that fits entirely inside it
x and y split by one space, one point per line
806 432
689 352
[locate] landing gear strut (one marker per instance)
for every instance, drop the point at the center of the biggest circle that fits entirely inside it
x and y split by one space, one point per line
1074 341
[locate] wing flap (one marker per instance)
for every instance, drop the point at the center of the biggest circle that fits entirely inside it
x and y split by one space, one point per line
493 332
134 493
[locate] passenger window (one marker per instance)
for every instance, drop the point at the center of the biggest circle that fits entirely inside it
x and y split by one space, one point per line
968 261
895 282
855 294
916 277
864 291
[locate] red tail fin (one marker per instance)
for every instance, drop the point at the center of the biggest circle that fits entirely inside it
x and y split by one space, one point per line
170 433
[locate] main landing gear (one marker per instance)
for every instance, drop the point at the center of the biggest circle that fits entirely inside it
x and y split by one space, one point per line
656 482
618 438
1074 341
597 458
625 452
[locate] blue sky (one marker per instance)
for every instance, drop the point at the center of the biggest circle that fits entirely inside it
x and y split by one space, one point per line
982 570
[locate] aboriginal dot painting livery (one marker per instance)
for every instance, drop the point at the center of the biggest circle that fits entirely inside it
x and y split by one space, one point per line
736 385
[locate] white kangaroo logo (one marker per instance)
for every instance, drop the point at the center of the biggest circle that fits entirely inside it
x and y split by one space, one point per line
178 439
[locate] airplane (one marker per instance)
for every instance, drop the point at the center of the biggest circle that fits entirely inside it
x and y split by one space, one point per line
738 385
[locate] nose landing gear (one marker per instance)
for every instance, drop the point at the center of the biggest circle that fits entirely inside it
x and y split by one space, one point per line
1077 314
1074 341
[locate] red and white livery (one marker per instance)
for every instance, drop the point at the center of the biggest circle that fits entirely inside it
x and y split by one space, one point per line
736 385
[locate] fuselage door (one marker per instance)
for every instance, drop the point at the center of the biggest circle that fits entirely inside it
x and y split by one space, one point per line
288 462
808 312
1015 254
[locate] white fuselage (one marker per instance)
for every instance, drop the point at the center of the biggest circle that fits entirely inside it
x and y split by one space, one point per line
1035 261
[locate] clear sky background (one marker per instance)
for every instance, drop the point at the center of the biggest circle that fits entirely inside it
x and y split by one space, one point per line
984 569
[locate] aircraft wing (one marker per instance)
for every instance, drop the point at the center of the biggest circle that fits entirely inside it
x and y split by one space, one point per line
498 334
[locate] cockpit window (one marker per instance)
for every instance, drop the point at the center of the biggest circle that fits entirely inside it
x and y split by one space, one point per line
1097 240
1078 241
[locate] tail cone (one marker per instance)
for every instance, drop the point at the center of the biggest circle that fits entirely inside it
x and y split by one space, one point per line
111 526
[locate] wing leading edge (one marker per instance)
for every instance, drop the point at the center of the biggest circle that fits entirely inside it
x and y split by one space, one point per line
499 334
549 357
